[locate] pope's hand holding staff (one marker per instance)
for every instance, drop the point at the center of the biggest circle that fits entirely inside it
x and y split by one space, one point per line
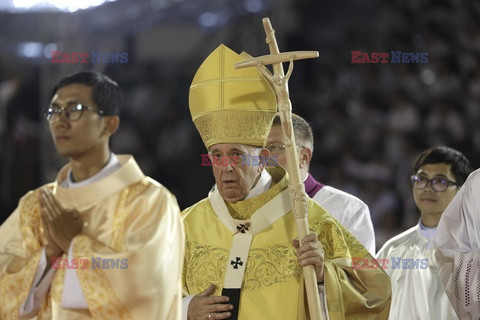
299 197
240 262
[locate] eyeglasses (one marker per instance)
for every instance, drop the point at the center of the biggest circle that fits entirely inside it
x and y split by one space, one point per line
276 148
73 112
438 184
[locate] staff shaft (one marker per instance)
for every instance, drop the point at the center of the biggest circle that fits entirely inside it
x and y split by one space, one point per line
299 197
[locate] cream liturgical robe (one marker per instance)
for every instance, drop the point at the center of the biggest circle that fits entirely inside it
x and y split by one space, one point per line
417 291
458 253
271 280
351 212
129 217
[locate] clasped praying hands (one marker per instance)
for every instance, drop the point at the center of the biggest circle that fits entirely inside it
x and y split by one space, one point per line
61 225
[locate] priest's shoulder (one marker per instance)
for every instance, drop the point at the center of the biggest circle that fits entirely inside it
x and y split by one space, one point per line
203 206
341 197
320 219
473 180
149 187
398 240
150 182
315 211
32 195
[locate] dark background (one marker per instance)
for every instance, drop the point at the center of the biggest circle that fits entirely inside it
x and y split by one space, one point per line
370 121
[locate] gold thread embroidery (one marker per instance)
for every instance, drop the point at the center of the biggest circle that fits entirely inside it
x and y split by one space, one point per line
121 214
244 210
271 265
14 287
204 265
118 225
56 289
265 266
101 298
248 128
31 223
334 237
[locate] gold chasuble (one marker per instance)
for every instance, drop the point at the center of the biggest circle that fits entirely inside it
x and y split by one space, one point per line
272 285
132 244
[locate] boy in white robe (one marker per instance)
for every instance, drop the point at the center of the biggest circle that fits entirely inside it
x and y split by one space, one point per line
417 292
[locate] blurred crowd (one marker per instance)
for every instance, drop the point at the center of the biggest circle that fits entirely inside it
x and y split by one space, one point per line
370 121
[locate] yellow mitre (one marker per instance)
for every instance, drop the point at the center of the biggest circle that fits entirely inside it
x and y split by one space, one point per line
231 105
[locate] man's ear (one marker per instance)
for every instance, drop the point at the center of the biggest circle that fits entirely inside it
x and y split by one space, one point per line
264 157
305 157
111 125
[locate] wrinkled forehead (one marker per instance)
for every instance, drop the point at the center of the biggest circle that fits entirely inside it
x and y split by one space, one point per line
230 147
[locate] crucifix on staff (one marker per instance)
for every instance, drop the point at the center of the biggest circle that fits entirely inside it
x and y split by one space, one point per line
297 188
242 258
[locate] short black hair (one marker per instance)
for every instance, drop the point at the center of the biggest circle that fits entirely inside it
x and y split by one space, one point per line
459 164
301 129
106 93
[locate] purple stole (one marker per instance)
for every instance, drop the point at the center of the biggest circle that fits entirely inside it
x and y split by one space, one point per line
312 186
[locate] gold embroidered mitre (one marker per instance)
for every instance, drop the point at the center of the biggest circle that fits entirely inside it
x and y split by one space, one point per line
231 105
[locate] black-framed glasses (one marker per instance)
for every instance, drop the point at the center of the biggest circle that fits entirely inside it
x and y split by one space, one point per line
438 184
73 112
276 148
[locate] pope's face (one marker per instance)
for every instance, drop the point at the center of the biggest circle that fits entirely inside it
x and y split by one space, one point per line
235 180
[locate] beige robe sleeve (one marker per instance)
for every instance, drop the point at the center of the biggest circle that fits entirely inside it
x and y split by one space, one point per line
21 242
351 292
135 237
140 271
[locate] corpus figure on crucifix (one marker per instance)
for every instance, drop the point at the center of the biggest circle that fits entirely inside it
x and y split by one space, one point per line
256 273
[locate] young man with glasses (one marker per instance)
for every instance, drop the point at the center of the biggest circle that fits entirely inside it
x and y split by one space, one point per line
350 211
417 291
101 242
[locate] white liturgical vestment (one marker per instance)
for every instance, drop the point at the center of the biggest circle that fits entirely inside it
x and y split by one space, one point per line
417 291
458 253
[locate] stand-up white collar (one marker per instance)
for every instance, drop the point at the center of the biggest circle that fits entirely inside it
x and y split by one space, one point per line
112 165
263 184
